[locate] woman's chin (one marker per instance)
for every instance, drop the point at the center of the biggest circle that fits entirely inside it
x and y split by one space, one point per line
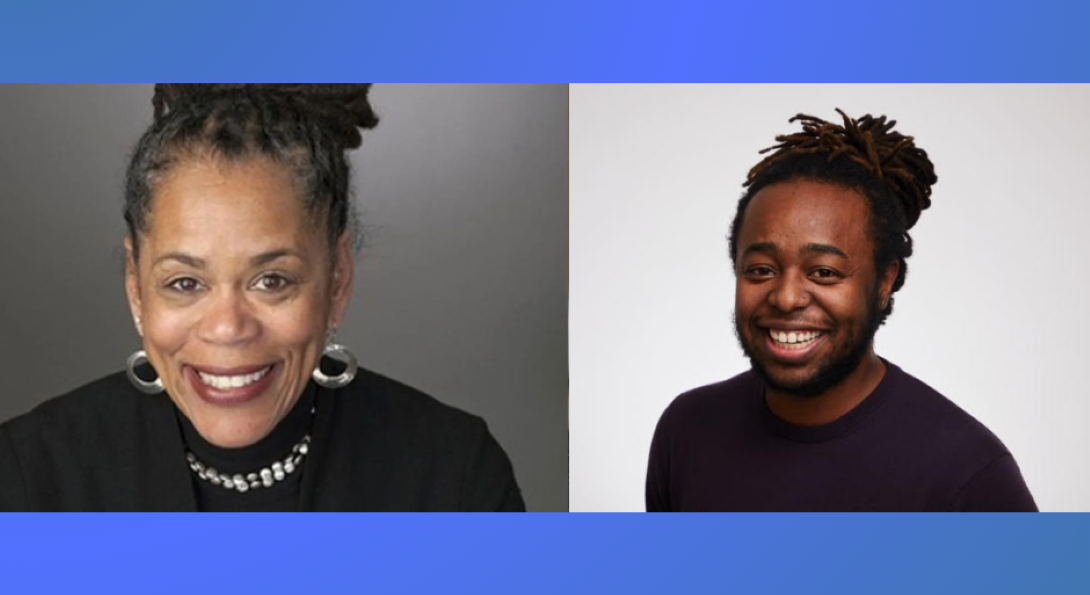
230 435
232 427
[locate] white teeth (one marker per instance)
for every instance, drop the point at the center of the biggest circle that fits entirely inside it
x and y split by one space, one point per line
793 340
225 382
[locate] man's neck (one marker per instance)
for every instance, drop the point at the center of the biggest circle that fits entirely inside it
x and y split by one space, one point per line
835 402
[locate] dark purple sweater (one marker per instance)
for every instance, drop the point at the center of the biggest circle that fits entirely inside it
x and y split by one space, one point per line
904 448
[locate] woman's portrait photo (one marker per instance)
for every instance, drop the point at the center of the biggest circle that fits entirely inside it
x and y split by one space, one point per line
284 297
828 298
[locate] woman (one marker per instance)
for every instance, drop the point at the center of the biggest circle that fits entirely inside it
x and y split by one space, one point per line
239 270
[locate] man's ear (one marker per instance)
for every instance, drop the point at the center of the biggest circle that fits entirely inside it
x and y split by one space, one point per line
343 274
886 282
132 286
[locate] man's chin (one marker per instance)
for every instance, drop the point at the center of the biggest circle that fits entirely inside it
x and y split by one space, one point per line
806 384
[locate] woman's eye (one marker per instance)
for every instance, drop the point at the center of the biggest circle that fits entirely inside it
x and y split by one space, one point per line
272 283
184 285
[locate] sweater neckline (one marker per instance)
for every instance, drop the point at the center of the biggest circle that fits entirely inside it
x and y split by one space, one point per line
837 427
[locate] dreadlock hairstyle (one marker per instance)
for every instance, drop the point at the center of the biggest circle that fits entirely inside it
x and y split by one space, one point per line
865 155
305 127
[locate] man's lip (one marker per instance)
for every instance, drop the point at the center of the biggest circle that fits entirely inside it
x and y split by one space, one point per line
232 371
792 355
790 328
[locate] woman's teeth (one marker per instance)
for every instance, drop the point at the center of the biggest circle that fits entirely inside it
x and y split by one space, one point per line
793 340
225 382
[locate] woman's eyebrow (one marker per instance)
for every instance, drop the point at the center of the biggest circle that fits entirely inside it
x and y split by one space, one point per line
271 255
181 257
198 263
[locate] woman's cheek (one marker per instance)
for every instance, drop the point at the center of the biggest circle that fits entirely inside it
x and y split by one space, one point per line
296 329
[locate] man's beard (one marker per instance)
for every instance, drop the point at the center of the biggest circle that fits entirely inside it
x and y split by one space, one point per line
831 372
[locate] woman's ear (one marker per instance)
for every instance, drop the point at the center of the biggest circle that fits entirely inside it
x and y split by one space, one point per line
132 286
343 272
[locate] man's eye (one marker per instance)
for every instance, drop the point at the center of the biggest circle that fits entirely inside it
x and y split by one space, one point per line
760 271
825 273
184 285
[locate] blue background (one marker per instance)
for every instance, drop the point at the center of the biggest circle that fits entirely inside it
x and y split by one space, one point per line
545 553
556 41
475 41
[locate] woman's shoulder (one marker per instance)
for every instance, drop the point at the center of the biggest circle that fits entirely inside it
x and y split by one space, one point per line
374 394
58 455
98 407
439 457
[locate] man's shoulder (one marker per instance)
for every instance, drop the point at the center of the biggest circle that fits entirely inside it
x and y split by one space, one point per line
971 467
712 401
941 420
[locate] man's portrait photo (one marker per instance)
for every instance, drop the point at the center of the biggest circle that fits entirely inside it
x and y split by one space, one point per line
828 298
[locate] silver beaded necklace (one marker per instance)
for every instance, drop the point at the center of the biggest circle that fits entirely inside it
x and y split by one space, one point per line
265 477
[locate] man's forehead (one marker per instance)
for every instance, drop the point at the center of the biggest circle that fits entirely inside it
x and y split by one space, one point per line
797 214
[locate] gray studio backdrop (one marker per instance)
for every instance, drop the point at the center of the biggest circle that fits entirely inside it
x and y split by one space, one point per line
462 291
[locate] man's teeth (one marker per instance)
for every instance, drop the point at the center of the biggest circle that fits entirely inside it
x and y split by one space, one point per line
795 339
225 382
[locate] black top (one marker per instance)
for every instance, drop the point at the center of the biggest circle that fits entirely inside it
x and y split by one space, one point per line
904 448
376 445
282 496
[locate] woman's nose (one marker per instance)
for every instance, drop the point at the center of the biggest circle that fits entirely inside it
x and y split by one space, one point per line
228 319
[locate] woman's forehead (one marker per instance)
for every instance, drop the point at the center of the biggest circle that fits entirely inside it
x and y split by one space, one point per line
239 208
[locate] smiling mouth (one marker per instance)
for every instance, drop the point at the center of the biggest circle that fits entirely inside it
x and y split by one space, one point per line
792 347
230 387
223 382
793 340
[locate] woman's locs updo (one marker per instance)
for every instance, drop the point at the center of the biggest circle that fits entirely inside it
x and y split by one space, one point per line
866 155
305 127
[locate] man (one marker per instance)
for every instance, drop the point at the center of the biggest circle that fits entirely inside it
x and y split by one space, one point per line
820 422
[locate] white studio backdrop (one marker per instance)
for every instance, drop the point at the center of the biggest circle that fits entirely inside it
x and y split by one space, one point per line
994 313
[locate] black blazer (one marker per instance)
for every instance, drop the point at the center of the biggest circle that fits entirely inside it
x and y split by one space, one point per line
377 445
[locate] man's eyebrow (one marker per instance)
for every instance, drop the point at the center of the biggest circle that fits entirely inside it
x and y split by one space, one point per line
771 248
761 247
823 249
181 257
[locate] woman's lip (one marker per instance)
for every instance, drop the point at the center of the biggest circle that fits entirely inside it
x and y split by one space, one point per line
235 396
235 371
792 355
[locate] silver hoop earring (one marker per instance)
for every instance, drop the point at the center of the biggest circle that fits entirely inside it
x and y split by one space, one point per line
341 354
149 388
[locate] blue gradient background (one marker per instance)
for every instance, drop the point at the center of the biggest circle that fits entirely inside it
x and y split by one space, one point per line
543 553
561 41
